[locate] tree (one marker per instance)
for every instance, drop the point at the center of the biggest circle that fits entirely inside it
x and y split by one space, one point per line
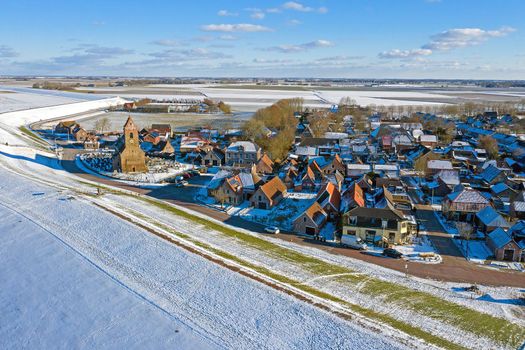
225 108
465 232
489 144
102 125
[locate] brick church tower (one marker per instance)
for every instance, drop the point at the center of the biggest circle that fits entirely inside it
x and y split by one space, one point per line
129 158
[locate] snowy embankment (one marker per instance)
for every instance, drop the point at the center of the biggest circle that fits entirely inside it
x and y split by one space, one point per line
330 284
83 277
10 122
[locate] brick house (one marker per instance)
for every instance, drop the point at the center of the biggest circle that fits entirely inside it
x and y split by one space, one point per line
463 204
264 165
504 246
380 226
269 194
242 153
311 220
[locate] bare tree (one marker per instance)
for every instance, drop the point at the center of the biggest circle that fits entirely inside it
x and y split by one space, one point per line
465 231
103 125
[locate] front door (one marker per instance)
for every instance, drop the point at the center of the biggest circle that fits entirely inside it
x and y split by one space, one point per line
262 205
508 254
370 235
310 230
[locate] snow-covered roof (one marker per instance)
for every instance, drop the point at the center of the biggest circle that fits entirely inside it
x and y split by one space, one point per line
428 138
306 151
467 195
439 164
449 177
247 146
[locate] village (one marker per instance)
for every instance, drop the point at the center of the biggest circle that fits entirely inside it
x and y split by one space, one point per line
389 183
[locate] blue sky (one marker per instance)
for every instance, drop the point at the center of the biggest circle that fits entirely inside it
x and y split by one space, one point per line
472 39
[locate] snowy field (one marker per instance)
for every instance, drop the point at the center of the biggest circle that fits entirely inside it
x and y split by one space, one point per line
73 275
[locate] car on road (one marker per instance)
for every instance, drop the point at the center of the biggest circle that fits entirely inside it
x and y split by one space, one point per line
272 229
195 173
181 183
392 253
186 175
353 242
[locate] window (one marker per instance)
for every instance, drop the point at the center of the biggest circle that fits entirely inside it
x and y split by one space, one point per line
130 135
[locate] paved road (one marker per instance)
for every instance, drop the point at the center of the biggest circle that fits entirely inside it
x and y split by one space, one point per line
453 269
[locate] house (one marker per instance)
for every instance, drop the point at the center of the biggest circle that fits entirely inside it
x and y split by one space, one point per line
80 134
380 226
428 140
397 197
264 165
504 246
323 146
192 144
242 153
129 157
213 157
488 219
517 210
329 198
229 191
435 166
333 165
448 177
311 220
463 204
66 127
164 129
492 175
269 194
352 197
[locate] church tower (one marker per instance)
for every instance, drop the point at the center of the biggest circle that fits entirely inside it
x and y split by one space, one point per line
129 158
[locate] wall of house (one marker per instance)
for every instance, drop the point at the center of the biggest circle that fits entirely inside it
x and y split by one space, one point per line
500 253
302 222
400 235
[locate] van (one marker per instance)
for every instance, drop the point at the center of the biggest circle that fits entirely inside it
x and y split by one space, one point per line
353 242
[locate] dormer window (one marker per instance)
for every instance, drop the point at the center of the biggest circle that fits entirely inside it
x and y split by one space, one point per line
130 135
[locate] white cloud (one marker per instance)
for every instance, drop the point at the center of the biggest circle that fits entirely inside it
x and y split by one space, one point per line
464 37
273 10
166 42
300 47
297 6
227 37
396 53
230 28
226 13
257 15
294 22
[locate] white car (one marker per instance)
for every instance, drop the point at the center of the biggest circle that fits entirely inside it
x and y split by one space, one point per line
353 242
272 229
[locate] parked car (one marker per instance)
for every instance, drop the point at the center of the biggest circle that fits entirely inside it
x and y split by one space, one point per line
353 242
392 253
186 175
181 183
272 229
195 173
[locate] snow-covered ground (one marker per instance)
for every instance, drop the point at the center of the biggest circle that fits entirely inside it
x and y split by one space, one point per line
283 214
420 250
74 275
224 307
159 170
